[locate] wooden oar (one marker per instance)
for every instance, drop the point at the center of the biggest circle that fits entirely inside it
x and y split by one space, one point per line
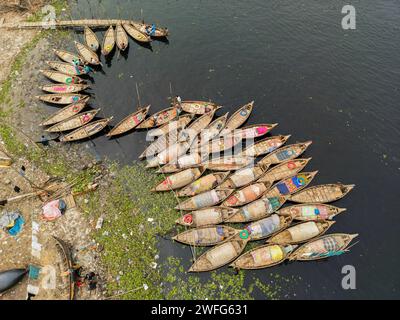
17 198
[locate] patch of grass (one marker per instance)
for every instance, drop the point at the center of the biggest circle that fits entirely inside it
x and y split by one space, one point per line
58 6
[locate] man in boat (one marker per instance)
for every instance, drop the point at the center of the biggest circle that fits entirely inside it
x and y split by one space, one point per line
151 30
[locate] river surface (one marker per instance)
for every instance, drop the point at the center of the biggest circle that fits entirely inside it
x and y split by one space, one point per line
339 88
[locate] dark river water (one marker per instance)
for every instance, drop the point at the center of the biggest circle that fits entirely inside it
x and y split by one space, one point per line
339 88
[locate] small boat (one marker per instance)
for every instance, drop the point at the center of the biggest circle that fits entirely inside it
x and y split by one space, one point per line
11 278
130 122
179 180
196 127
323 247
244 177
210 132
284 170
183 162
135 33
64 88
160 118
69 57
108 41
86 131
258 209
289 152
221 254
65 252
323 193
61 77
203 184
253 131
266 227
265 146
160 144
291 185
219 145
66 98
171 154
87 54
198 107
301 232
205 236
68 68
205 199
247 194
75 122
65 113
146 29
229 163
264 256
238 118
91 39
175 125
311 212
206 217
121 38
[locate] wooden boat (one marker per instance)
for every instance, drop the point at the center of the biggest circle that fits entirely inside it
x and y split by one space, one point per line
205 236
221 254
171 154
183 162
86 131
258 209
160 118
301 232
243 177
145 29
196 127
247 194
108 41
160 144
291 185
266 227
11 278
205 199
69 57
264 256
91 39
311 212
64 250
135 33
323 247
61 77
68 68
238 118
206 217
178 124
219 145
121 38
265 146
179 180
253 131
87 54
198 107
130 122
210 132
203 184
228 163
64 88
286 153
323 193
65 113
66 98
284 170
74 122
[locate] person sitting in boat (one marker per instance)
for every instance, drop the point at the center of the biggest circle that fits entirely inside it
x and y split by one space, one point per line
151 30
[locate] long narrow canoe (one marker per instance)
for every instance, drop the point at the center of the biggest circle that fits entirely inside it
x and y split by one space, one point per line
210 132
183 162
64 88
247 194
203 184
121 38
198 107
311 212
67 68
265 146
322 193
253 131
180 123
205 236
130 122
206 217
61 77
228 163
146 28
197 126
220 144
91 39
69 57
65 251
244 177
284 170
205 199
86 131
286 153
74 122
66 98
171 154
179 180
291 185
301 232
11 278
87 54
65 113
266 227
323 247
160 118
238 118
135 33
264 256
160 144
108 41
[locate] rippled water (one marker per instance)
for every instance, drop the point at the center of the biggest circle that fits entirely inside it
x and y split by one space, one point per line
339 88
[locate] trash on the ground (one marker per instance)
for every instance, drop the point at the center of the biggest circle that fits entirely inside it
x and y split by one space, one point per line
54 209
